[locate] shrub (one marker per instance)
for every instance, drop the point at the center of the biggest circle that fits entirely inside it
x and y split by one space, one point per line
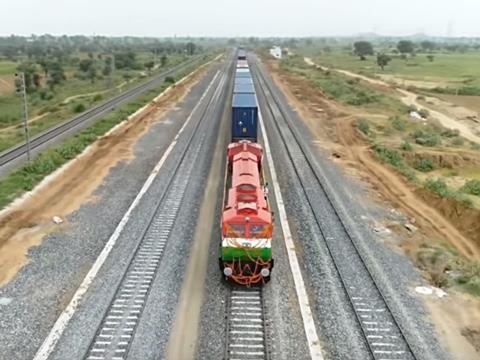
423 113
78 108
398 123
363 126
458 141
439 187
406 146
46 95
450 133
170 80
389 156
97 97
426 138
424 165
472 187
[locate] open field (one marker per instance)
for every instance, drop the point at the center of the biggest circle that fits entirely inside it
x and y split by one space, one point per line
446 70
7 67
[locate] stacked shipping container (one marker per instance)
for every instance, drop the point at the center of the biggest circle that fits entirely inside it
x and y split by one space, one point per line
244 103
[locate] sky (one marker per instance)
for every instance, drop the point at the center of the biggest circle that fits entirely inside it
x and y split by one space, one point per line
229 18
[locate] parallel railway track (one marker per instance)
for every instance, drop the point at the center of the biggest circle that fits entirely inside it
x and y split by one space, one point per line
117 329
247 330
92 114
383 335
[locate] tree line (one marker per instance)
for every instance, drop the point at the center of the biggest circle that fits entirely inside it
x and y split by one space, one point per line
404 48
43 58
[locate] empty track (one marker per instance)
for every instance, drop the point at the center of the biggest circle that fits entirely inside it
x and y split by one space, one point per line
92 114
117 329
383 335
247 329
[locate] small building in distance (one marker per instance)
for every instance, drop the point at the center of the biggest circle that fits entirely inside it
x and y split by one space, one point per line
276 52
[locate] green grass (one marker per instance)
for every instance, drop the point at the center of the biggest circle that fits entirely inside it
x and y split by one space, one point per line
445 67
394 158
25 178
7 67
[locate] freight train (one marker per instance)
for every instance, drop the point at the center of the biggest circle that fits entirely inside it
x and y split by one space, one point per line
247 221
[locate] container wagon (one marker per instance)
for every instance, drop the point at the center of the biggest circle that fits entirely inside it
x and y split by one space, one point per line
243 80
242 54
243 73
246 251
244 89
244 117
242 64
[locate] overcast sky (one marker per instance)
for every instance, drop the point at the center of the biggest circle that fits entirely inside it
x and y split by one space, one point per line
240 17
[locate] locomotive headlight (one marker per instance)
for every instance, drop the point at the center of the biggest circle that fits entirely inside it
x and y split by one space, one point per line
265 272
227 271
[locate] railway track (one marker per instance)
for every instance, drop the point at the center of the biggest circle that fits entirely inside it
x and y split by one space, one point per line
382 333
247 329
117 329
92 114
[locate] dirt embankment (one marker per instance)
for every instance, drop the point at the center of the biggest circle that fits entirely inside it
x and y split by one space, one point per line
409 98
330 120
26 222
456 316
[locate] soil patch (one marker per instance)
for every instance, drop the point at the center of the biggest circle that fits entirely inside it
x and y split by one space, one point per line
469 102
458 324
26 222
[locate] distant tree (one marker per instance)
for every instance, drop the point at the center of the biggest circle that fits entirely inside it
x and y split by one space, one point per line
126 60
56 74
44 63
149 65
92 73
190 48
362 49
428 45
85 65
107 68
430 58
32 80
405 47
383 60
163 60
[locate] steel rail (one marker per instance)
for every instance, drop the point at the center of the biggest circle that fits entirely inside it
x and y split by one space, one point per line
247 325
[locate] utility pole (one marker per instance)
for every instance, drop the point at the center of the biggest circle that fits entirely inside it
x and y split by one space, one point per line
111 81
23 93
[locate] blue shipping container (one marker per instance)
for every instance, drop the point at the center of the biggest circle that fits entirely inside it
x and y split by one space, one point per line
245 80
243 73
244 117
244 89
